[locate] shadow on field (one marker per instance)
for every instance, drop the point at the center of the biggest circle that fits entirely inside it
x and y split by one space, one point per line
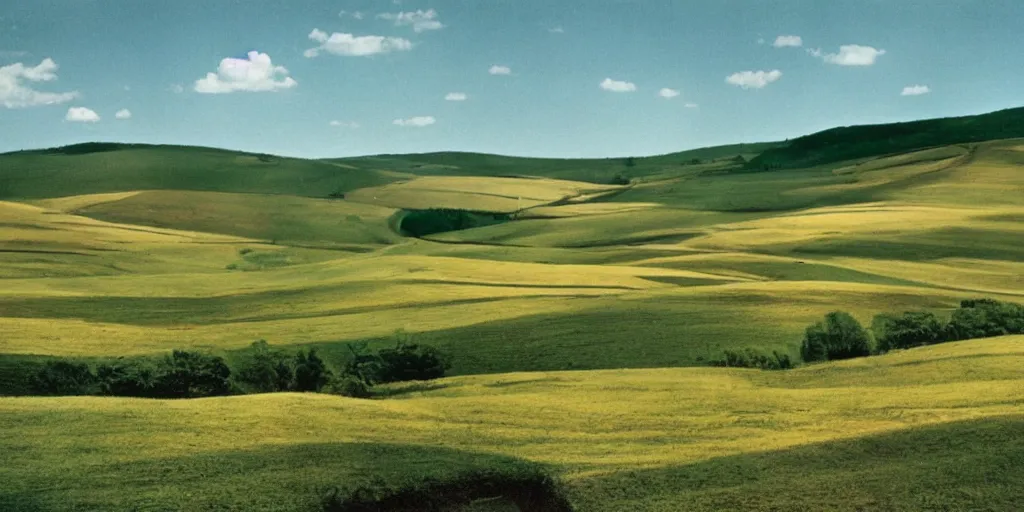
323 476
970 465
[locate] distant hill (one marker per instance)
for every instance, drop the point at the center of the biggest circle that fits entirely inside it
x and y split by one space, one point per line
101 167
852 142
94 168
594 170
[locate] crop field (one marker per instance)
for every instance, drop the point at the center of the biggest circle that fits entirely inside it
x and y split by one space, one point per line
580 331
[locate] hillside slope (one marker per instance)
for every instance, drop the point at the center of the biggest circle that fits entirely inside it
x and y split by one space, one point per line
931 428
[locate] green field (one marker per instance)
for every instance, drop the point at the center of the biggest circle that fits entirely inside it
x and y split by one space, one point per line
580 333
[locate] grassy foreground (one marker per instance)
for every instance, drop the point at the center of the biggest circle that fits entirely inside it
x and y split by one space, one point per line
935 428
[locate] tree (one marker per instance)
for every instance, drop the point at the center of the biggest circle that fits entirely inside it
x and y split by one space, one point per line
267 370
126 377
192 374
982 318
311 374
411 362
840 336
363 366
620 179
630 162
910 329
64 378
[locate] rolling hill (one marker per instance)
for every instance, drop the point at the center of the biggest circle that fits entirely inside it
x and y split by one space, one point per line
579 329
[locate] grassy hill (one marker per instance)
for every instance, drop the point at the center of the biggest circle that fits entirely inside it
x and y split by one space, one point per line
936 428
852 142
111 250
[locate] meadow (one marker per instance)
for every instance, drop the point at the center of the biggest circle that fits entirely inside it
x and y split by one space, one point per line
580 332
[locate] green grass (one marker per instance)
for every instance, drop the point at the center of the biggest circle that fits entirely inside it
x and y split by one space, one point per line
899 431
34 175
132 250
848 143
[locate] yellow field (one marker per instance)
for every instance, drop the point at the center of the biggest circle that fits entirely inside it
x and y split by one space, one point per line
623 285
596 428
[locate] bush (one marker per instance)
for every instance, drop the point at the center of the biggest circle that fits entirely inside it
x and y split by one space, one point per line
64 378
126 378
620 179
411 362
983 318
910 329
350 386
754 358
840 336
267 370
420 223
311 374
191 374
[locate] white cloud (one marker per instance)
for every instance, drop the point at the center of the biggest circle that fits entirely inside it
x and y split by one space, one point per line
350 45
344 124
760 40
357 15
15 93
123 114
416 122
617 86
691 105
557 30
850 55
82 115
420 20
788 42
500 70
668 93
753 79
176 88
915 90
254 74
456 96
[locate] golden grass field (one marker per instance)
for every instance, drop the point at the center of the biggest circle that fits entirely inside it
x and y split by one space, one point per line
607 433
620 284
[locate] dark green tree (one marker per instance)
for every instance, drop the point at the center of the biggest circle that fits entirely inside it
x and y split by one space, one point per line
907 330
840 336
64 378
125 377
267 370
983 318
191 374
410 361
311 374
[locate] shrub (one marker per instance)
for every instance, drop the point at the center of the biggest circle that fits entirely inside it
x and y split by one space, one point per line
191 374
311 374
982 318
126 378
619 179
754 358
411 362
840 336
64 378
441 220
910 329
350 386
267 370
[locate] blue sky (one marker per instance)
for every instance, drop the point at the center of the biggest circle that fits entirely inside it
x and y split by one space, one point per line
381 70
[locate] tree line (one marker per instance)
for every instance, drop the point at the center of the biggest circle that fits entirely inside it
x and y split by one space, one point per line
840 336
196 374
